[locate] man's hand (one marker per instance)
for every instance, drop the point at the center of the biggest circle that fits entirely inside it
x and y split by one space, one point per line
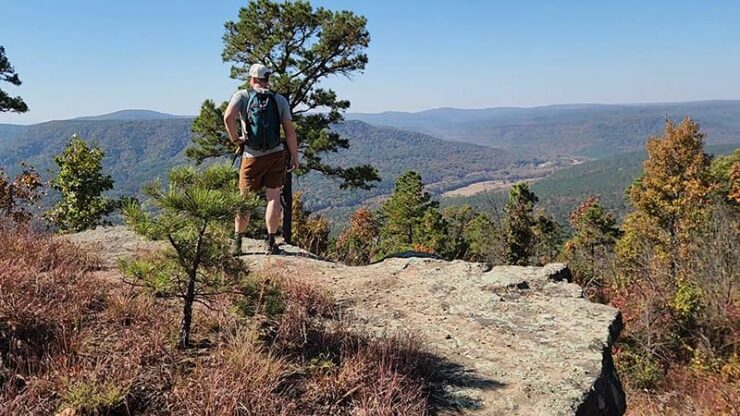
230 115
294 162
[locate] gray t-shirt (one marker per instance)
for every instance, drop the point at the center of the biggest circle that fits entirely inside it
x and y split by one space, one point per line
240 98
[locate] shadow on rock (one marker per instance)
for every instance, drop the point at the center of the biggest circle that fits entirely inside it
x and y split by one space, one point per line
395 371
455 388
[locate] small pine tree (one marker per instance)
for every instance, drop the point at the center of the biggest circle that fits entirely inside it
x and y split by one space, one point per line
81 183
357 244
458 218
548 237
402 215
592 245
482 235
518 224
17 197
192 216
431 233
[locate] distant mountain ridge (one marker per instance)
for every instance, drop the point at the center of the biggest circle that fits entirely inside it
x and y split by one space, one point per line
586 130
130 115
136 151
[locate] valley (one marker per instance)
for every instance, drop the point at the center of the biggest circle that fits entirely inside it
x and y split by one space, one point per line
530 175
561 191
485 186
565 152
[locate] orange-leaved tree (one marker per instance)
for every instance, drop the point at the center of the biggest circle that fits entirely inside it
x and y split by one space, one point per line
357 244
18 197
670 200
666 296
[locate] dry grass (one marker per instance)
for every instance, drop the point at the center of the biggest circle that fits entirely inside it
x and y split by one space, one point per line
68 339
686 392
303 360
71 341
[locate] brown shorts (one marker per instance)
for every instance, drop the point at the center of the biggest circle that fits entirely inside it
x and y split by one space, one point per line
265 171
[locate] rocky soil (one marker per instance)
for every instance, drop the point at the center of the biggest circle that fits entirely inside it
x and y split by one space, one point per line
519 340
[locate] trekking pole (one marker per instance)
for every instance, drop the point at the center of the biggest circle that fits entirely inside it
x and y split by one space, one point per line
287 202
239 151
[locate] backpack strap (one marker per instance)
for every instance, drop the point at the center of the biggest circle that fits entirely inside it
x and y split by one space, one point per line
250 96
278 118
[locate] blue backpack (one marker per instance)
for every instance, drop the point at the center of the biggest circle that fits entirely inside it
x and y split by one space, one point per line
263 121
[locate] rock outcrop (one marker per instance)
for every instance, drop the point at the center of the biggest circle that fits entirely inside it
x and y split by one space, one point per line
524 340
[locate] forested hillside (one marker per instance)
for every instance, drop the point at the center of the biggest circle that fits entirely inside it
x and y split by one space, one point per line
135 151
562 191
443 164
577 130
140 150
10 130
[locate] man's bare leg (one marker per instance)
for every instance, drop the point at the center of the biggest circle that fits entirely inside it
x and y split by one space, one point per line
272 216
241 222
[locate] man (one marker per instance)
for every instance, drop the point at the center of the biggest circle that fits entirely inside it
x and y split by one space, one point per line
262 113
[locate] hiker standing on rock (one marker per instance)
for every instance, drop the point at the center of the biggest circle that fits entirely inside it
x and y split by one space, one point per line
263 163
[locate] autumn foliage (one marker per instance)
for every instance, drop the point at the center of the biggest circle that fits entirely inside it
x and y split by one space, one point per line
310 231
19 196
357 244
676 280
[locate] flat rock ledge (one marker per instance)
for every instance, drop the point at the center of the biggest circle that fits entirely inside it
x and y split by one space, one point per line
521 340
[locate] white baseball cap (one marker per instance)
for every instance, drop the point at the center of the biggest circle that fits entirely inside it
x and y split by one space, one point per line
259 71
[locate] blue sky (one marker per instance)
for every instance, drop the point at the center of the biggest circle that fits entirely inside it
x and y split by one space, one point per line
90 57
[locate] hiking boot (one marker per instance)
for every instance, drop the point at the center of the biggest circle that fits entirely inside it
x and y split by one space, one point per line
270 246
235 247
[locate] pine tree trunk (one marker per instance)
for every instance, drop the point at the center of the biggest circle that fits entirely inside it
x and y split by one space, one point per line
187 312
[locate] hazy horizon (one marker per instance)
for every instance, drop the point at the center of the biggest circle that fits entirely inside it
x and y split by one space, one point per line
79 116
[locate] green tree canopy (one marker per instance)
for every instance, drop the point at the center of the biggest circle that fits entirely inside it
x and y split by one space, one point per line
303 46
726 173
518 224
81 183
548 237
432 234
481 235
458 218
403 217
587 251
8 74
